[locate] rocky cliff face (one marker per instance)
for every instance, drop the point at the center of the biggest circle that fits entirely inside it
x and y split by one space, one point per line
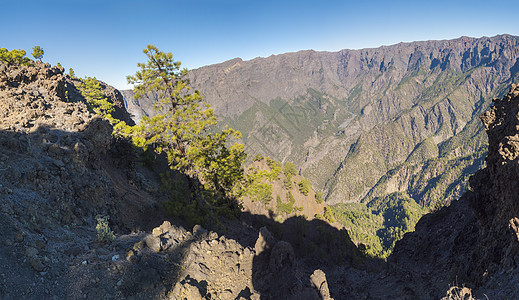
475 240
59 168
353 120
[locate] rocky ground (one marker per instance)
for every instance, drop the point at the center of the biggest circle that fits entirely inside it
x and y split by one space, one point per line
60 167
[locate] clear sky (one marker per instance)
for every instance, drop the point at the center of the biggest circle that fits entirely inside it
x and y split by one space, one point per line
105 38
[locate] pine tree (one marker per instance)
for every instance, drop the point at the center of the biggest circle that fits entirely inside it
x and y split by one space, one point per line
14 57
96 100
37 52
181 130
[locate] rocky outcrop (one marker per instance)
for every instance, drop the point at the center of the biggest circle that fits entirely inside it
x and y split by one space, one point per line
494 197
475 241
59 168
215 267
318 279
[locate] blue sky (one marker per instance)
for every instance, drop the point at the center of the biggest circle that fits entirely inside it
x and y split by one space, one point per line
105 38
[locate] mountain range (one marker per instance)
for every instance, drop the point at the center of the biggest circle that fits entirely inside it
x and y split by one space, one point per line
364 124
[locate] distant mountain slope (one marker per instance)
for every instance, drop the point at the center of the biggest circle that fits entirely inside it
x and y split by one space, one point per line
278 192
362 124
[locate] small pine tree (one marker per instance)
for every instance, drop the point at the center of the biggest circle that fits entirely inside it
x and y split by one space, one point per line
318 197
37 52
71 73
328 215
290 168
96 99
104 233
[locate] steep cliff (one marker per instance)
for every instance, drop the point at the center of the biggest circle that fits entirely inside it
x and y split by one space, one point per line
475 241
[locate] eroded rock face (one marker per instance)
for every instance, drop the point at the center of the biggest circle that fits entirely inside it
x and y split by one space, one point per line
475 240
59 168
495 199
318 279
219 268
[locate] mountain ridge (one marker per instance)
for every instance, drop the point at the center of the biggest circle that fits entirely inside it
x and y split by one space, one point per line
323 110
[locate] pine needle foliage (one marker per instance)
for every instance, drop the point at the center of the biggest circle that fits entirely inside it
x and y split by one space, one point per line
184 130
97 102
14 57
37 52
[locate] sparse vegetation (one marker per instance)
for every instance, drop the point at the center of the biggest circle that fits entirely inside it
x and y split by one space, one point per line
14 57
304 186
37 52
104 233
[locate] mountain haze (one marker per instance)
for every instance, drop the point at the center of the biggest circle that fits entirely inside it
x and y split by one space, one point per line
365 123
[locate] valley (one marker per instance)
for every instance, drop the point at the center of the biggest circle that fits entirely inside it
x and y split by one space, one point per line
366 125
354 121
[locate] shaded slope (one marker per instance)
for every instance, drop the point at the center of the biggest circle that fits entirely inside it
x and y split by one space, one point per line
475 240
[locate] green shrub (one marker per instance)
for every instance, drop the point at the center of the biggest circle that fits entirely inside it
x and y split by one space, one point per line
304 186
104 233
14 57
260 191
37 52
96 100
287 182
318 197
286 208
328 215
289 168
275 169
